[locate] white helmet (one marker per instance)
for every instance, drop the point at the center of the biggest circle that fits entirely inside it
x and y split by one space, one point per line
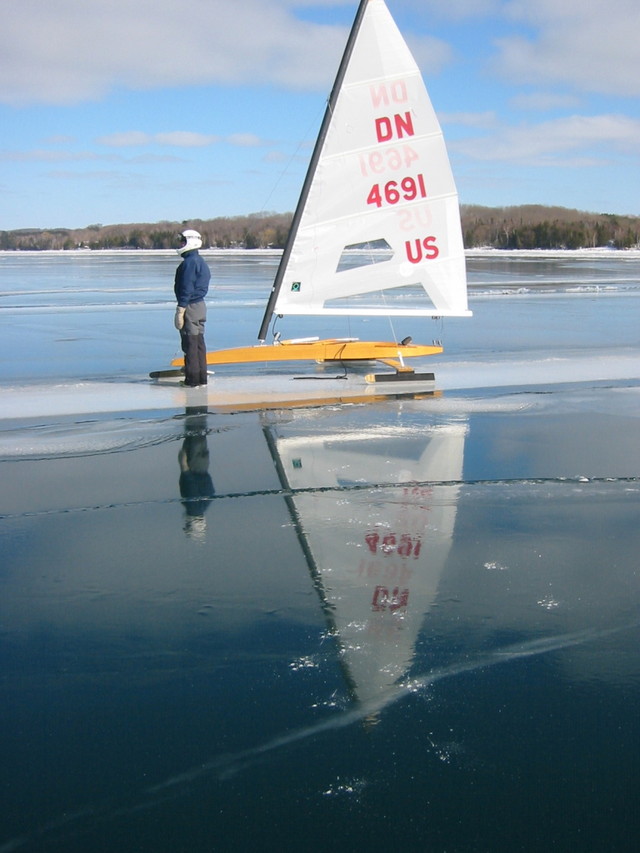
191 240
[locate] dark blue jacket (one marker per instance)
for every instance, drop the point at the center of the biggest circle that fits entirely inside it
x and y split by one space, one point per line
192 279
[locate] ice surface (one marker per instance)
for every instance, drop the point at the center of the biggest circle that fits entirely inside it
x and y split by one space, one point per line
140 395
84 329
124 620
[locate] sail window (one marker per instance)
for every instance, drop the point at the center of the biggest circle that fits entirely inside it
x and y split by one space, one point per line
364 254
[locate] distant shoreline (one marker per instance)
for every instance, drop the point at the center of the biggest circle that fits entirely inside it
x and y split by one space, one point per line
597 251
523 227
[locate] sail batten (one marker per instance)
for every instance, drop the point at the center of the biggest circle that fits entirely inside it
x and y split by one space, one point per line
425 137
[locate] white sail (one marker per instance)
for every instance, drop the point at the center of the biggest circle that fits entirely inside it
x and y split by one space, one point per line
377 557
380 229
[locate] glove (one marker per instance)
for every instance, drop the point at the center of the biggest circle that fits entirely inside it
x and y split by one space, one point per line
178 320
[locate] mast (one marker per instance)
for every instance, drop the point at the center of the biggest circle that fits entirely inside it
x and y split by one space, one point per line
297 216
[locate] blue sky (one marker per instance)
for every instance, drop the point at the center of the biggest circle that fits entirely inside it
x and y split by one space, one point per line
113 111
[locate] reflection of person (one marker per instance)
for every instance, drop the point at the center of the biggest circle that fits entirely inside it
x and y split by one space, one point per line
191 287
196 485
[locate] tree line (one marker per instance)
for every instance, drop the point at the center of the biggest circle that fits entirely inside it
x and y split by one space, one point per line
519 227
254 231
540 227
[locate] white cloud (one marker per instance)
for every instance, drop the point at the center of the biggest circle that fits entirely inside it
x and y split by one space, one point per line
572 141
127 139
455 9
542 101
486 119
73 50
176 139
185 139
59 139
592 46
44 155
276 157
152 159
245 140
113 180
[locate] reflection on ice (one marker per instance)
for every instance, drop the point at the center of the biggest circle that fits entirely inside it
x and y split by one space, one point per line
354 558
196 485
228 766
83 438
376 557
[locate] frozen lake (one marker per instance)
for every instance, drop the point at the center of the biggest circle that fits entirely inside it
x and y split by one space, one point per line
91 326
407 620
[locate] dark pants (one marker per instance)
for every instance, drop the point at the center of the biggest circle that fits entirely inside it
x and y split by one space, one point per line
193 345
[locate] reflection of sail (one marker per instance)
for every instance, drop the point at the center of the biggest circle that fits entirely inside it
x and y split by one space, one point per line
377 553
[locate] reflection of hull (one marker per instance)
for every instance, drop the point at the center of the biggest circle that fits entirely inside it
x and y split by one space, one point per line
262 391
377 553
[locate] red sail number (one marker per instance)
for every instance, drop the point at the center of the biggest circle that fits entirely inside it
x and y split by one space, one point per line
408 189
403 545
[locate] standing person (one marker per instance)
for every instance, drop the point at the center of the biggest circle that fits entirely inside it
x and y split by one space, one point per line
191 287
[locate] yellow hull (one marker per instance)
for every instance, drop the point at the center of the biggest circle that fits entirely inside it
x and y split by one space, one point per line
332 349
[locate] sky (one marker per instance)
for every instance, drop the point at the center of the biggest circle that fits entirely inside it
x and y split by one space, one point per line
113 111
